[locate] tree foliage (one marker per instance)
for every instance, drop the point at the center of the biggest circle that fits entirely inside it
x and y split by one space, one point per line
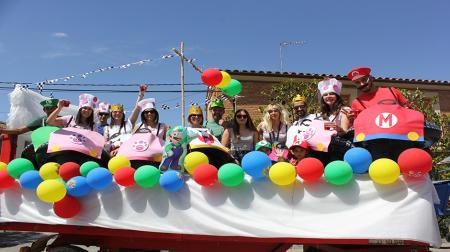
286 90
427 105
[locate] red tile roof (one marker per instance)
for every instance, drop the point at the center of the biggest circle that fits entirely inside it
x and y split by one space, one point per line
337 76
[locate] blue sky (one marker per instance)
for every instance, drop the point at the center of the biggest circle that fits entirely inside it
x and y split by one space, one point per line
47 39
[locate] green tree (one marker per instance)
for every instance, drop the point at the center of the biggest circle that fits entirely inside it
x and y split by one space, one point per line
286 90
426 105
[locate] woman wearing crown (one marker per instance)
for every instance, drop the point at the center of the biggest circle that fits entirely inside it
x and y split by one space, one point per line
120 129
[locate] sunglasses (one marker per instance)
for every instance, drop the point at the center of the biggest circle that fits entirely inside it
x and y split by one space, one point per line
299 107
149 111
241 116
273 111
103 114
196 115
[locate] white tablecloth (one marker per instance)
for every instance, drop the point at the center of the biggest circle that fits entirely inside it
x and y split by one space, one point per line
359 210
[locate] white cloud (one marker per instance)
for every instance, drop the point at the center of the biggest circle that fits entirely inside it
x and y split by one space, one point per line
100 50
60 35
54 55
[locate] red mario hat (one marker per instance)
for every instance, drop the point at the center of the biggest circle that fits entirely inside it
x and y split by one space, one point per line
300 143
358 72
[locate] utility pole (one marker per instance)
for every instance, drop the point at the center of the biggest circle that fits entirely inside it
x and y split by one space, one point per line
182 82
286 44
183 59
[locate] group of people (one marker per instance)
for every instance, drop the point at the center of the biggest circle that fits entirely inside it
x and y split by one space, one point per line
240 136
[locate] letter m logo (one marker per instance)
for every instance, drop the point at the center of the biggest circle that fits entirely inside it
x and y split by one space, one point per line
386 120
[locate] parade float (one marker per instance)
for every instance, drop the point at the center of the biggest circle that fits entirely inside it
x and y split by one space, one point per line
378 204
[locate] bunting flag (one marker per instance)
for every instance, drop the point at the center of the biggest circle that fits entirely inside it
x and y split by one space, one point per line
40 85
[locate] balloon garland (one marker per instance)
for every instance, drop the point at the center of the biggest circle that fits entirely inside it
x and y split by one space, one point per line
63 184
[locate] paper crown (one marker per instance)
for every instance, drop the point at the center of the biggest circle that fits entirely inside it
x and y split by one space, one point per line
117 107
49 103
298 98
195 110
103 107
358 72
217 104
330 85
87 100
149 103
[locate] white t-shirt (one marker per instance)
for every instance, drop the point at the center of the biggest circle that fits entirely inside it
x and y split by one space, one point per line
69 121
117 134
160 130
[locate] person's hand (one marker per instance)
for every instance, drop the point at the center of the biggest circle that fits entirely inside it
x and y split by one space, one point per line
329 125
143 88
279 153
350 114
62 103
114 152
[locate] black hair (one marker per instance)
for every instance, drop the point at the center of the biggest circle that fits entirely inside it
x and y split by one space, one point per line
90 119
156 116
326 110
249 124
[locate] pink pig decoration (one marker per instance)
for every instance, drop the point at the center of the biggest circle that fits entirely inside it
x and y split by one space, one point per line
142 146
75 139
317 136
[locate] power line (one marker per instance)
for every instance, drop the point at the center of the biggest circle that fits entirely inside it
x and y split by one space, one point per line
103 84
106 91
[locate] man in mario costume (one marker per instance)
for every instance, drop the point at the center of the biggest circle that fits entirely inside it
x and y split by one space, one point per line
369 93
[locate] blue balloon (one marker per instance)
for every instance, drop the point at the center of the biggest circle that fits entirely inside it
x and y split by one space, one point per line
78 186
99 178
30 179
171 181
359 159
256 164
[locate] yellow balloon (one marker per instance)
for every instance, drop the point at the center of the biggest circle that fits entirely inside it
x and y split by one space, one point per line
3 166
193 159
384 171
226 79
49 171
51 190
282 173
118 162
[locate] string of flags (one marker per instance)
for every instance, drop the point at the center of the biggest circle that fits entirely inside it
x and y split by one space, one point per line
40 85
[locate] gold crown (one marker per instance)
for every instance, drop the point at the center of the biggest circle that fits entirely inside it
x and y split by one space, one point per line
117 107
298 98
195 110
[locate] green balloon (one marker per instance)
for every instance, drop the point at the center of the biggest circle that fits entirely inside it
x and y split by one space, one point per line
147 176
86 167
18 166
234 88
231 175
338 172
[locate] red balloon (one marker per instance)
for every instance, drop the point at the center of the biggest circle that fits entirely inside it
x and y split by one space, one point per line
415 162
310 169
6 181
211 77
69 170
205 174
68 207
125 176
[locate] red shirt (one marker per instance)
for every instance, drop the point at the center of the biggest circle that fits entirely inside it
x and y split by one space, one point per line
366 100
